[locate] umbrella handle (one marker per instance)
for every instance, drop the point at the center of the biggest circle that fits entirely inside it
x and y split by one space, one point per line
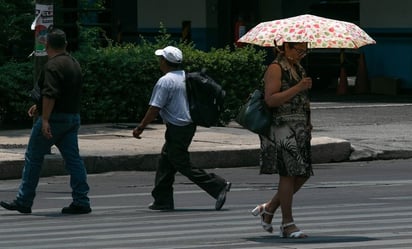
342 56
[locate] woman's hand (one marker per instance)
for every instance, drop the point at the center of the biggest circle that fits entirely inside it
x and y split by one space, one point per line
305 84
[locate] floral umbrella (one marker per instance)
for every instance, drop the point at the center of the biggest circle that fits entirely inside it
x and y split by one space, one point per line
319 32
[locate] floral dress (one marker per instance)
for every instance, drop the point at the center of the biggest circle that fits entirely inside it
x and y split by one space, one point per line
286 150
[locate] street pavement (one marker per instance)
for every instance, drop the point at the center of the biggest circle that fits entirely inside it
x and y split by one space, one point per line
346 205
111 147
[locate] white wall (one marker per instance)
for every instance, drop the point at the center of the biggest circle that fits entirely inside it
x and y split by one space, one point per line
171 13
385 13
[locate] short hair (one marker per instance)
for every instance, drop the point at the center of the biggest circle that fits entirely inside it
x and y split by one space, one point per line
56 38
171 64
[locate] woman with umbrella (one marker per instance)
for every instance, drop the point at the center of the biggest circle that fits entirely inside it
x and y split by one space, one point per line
286 150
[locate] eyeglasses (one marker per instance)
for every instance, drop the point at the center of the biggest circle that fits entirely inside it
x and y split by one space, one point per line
301 51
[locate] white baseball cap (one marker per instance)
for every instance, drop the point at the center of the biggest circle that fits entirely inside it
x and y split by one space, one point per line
171 54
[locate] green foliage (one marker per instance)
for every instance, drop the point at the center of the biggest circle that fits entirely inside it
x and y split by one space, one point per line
91 36
15 83
15 20
118 79
118 82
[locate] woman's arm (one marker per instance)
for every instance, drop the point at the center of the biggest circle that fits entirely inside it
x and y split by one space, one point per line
273 81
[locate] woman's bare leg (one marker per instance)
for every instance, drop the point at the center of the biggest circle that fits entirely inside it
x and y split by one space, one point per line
285 183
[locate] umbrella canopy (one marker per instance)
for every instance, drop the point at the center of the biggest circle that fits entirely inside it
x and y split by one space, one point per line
319 32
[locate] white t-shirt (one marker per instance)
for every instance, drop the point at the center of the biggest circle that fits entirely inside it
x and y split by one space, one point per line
169 94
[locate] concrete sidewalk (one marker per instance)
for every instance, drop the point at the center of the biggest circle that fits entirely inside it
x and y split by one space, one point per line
111 147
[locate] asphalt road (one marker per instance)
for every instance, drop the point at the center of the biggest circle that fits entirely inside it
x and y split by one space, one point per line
378 126
358 205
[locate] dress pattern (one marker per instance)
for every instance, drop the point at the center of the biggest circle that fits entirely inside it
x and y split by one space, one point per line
286 150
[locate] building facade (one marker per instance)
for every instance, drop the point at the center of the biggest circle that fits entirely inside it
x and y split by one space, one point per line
218 23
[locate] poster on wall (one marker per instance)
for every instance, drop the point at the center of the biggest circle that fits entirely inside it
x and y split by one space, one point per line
43 20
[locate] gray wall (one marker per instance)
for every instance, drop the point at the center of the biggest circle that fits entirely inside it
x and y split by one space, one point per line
171 13
386 13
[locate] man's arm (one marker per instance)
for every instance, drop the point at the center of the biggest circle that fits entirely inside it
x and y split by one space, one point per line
150 115
48 104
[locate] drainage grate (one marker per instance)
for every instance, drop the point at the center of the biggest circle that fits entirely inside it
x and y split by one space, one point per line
101 137
13 146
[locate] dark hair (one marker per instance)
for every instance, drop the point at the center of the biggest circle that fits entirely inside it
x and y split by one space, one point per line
171 64
56 38
291 45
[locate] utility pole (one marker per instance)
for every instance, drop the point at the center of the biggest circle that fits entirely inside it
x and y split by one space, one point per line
43 20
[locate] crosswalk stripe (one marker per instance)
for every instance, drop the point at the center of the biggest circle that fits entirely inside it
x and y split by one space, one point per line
359 225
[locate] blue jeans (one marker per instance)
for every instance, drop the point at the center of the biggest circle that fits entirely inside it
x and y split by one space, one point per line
64 128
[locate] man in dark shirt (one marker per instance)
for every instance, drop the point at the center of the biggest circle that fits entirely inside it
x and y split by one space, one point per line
58 124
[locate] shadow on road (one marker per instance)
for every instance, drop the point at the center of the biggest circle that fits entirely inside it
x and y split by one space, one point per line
311 239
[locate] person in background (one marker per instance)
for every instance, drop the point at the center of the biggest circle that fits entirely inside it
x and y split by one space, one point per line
169 99
58 123
286 150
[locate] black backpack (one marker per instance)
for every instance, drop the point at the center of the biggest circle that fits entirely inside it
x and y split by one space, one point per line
205 98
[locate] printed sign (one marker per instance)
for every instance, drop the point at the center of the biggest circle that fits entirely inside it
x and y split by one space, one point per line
43 20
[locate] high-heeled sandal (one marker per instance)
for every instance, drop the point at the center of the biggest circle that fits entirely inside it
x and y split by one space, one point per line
261 210
293 235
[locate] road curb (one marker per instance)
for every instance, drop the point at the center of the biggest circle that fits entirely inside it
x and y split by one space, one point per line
324 150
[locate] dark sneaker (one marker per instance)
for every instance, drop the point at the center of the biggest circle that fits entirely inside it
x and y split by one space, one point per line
75 209
220 201
14 206
163 207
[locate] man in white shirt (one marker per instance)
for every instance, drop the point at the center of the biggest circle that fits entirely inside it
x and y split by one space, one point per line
169 99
